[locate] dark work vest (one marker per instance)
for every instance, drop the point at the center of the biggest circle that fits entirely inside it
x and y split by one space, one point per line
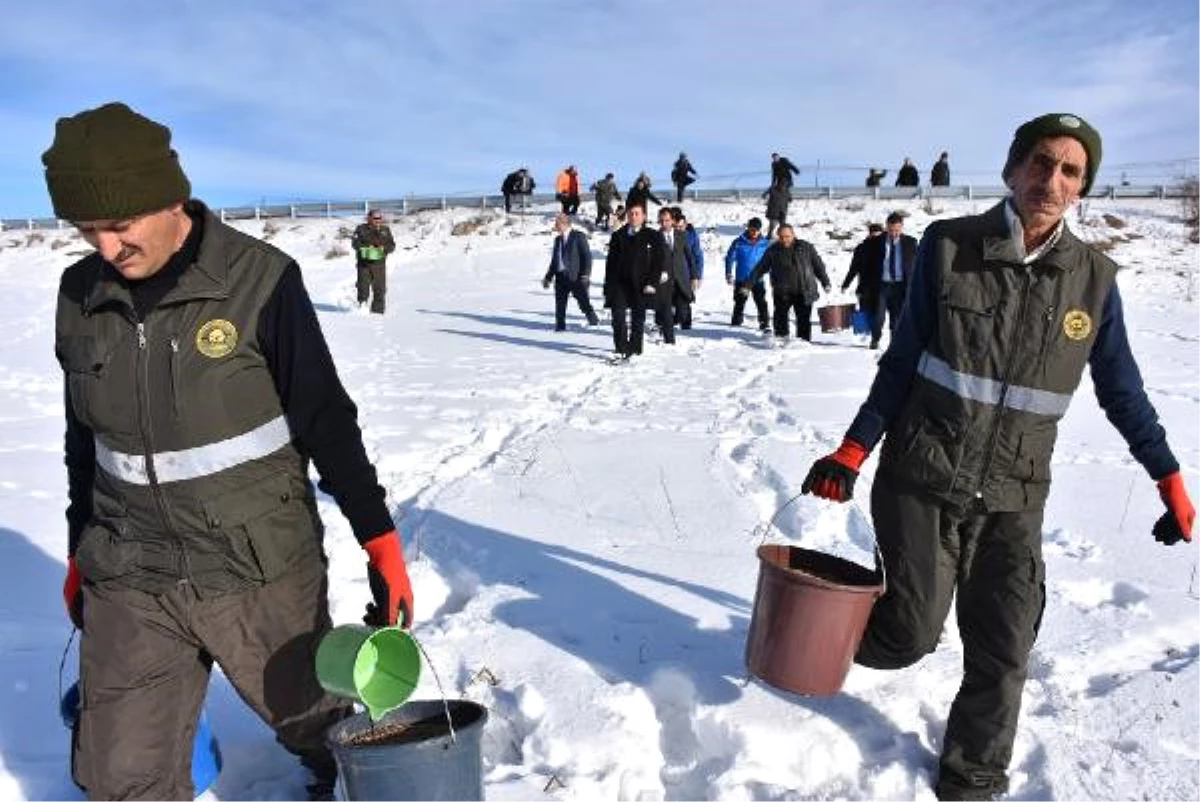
1010 345
197 478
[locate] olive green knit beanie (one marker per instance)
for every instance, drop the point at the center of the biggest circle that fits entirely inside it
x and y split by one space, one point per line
111 163
1051 125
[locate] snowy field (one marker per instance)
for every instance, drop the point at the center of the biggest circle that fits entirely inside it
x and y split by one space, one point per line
581 536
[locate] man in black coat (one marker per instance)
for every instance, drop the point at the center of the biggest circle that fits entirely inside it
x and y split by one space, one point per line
682 174
518 182
795 268
782 170
883 270
939 176
857 270
639 194
571 271
908 175
675 305
635 272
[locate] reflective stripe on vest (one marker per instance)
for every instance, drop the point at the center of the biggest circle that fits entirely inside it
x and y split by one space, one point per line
193 463
989 391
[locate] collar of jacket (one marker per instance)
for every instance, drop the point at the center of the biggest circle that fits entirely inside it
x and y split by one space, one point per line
207 278
998 246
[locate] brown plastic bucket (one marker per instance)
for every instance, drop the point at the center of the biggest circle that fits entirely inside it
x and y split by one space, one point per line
810 612
834 317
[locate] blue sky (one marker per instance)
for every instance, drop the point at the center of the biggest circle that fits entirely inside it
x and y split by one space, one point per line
309 100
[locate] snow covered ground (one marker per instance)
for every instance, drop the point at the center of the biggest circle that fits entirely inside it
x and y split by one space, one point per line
581 536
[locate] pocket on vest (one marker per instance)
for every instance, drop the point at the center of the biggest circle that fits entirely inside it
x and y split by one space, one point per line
266 527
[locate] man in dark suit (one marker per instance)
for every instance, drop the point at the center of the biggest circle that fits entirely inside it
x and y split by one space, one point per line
571 271
882 265
675 307
635 272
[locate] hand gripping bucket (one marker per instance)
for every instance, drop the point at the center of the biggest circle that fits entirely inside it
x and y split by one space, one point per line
398 749
810 612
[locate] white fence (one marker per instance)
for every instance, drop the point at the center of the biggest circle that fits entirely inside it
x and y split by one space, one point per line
418 203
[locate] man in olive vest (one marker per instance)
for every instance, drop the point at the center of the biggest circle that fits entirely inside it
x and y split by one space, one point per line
198 388
372 242
1004 311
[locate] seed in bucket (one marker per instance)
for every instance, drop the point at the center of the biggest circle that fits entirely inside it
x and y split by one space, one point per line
402 732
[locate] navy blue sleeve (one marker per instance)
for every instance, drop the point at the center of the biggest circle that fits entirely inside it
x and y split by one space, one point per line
323 419
585 255
894 379
1122 396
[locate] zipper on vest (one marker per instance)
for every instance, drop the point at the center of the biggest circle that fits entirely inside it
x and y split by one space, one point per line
1047 335
175 377
143 393
1004 385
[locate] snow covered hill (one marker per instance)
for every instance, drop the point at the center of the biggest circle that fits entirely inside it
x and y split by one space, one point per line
582 536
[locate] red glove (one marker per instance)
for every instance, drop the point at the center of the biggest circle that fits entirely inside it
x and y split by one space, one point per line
388 577
73 594
833 477
1176 523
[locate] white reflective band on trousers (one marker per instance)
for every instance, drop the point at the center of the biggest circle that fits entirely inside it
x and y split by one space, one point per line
988 391
194 463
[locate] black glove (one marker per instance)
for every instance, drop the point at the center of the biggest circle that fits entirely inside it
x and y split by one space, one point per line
1166 530
833 477
545 284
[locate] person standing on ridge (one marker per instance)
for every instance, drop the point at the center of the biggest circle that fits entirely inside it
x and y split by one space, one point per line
1005 310
682 175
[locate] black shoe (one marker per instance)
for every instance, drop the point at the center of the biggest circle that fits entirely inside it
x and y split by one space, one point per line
874 345
983 786
560 328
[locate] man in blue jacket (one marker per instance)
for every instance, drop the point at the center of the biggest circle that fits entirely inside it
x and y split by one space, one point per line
740 261
1004 311
571 271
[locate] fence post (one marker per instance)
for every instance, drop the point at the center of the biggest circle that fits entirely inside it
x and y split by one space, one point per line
444 207
1162 191
970 192
1112 192
404 205
328 209
292 211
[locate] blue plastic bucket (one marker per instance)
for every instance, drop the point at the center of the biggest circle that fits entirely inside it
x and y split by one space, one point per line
206 752
860 321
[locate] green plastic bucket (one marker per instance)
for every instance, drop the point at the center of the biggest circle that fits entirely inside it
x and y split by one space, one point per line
378 667
371 253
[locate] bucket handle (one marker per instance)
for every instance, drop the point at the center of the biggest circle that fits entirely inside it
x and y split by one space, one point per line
62 663
766 531
441 691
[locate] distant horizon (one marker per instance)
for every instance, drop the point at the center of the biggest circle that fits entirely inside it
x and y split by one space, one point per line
281 102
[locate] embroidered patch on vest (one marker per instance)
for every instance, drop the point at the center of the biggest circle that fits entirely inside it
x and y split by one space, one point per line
1077 324
216 338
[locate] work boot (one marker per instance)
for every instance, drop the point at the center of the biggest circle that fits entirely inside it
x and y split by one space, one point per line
980 786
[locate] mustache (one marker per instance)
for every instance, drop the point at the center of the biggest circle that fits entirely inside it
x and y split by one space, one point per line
124 254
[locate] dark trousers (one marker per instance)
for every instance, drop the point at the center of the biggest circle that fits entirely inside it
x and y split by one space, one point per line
144 666
994 560
603 214
682 309
627 338
759 294
570 203
565 288
679 188
664 313
507 202
785 304
891 304
372 284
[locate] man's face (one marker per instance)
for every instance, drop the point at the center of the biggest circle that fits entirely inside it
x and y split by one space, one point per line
375 219
1048 181
894 230
138 247
665 222
562 224
637 216
787 237
753 233
680 224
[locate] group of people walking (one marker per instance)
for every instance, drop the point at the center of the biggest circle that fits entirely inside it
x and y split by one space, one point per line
193 533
